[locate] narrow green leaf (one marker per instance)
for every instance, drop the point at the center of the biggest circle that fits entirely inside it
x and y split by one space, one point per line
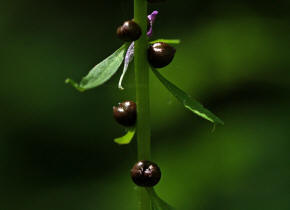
187 101
102 72
167 41
156 202
74 84
127 138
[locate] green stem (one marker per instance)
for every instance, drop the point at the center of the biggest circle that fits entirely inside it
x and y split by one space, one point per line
142 94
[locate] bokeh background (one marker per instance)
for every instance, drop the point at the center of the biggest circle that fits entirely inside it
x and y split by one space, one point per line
56 144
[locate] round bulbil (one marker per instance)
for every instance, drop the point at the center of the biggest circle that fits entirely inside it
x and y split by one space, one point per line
160 54
130 31
125 113
145 173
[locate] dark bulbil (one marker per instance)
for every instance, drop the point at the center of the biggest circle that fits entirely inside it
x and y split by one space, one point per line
160 54
145 173
125 113
130 31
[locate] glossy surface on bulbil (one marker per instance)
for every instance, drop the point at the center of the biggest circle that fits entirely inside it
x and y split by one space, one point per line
160 54
129 31
145 173
125 113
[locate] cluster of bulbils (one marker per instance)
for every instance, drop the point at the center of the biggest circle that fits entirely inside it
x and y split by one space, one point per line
159 54
144 173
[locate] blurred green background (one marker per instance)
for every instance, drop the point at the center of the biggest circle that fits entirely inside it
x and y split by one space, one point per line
56 144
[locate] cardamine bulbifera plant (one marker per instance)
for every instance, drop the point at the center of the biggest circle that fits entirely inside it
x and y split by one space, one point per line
135 116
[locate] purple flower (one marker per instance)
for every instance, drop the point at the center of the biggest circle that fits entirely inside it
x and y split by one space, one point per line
151 18
130 52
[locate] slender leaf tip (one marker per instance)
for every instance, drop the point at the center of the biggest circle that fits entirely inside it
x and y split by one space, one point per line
188 102
127 138
167 41
74 84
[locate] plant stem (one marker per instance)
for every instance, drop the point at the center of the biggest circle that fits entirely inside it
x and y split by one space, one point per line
142 94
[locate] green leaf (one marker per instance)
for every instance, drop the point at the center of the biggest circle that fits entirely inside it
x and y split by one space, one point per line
74 84
167 41
187 101
156 202
127 138
102 72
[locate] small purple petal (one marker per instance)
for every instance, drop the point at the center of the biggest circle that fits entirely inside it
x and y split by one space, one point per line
130 52
128 58
151 18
